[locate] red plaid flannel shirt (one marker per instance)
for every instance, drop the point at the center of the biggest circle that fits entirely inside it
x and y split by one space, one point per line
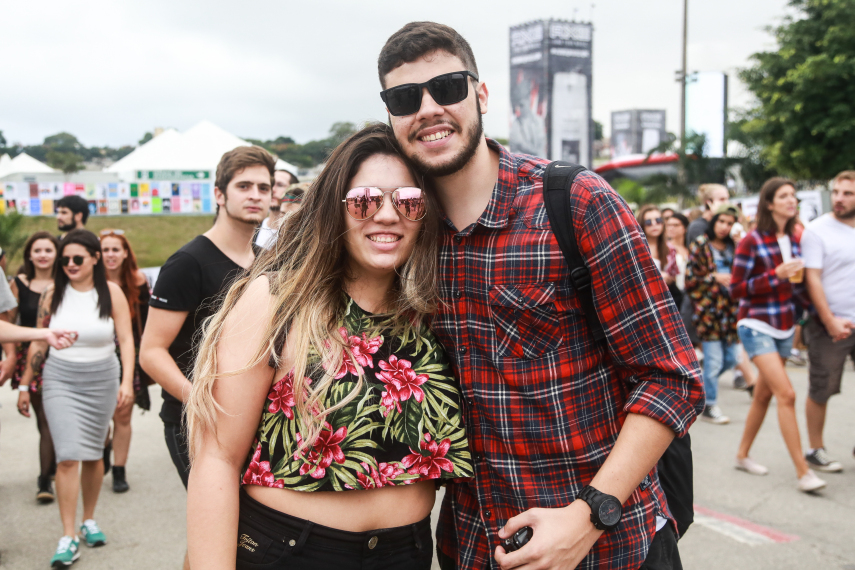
761 294
544 403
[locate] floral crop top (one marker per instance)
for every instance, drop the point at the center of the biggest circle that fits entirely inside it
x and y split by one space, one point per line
404 425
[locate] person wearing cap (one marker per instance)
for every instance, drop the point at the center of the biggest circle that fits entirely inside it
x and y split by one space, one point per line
269 228
707 281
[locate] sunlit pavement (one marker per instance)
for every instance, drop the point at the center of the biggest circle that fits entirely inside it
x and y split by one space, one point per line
743 521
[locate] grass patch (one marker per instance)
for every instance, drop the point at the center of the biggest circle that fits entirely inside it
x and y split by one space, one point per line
153 238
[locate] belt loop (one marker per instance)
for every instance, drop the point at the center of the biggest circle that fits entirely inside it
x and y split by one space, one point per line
304 536
416 537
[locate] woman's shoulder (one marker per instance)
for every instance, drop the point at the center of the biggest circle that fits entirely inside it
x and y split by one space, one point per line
140 278
22 279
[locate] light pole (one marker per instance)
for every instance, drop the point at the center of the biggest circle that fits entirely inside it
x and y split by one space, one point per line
683 77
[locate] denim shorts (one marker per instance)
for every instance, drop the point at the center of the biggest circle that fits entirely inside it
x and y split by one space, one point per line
757 343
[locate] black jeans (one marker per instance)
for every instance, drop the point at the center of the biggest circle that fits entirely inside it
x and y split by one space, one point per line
269 539
663 553
176 441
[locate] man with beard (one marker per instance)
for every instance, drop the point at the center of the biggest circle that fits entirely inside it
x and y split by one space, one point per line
552 415
269 229
193 277
71 214
828 248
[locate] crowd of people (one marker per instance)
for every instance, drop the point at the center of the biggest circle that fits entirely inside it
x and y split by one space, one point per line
330 354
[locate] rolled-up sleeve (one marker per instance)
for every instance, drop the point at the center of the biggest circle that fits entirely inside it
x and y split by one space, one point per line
644 331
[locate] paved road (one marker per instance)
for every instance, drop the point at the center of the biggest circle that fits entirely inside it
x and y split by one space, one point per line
748 522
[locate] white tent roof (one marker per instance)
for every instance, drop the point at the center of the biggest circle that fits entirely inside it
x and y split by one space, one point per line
23 164
282 165
198 148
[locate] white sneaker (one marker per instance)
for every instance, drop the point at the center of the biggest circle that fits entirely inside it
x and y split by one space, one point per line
713 415
750 466
809 482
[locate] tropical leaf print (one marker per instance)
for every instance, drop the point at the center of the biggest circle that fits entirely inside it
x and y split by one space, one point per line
402 425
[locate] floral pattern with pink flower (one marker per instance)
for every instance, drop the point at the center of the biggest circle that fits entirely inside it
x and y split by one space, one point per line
258 472
362 349
432 465
325 450
281 396
401 382
382 476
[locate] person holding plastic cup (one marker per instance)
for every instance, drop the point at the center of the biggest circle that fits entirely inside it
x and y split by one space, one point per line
767 263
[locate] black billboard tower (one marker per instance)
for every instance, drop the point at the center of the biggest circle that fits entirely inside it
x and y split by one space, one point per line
551 90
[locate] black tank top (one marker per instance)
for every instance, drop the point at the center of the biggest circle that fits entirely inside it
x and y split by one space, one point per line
28 304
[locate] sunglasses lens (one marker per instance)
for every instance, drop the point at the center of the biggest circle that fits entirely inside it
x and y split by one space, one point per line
404 100
448 89
361 203
78 259
410 202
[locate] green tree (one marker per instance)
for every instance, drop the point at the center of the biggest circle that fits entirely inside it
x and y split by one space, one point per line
68 162
146 137
598 131
805 117
12 235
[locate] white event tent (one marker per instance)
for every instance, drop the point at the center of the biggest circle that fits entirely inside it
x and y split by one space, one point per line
22 164
199 148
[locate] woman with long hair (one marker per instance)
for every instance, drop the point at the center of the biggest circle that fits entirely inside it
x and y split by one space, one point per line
122 269
320 388
80 387
767 280
708 282
36 275
664 254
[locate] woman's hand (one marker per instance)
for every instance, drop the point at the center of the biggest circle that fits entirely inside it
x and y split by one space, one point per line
59 338
126 395
722 279
788 269
24 404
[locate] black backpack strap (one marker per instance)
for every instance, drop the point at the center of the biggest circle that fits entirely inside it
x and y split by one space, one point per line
557 182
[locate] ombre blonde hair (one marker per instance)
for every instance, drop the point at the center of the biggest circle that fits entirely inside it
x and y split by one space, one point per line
307 272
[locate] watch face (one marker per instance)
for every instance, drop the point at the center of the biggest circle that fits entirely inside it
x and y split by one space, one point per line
609 512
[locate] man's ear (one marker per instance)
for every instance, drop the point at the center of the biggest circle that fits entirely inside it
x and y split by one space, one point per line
219 196
77 218
483 94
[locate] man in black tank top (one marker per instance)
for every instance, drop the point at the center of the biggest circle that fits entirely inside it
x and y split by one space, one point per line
193 279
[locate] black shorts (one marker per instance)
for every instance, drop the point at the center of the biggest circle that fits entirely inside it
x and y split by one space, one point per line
269 539
176 441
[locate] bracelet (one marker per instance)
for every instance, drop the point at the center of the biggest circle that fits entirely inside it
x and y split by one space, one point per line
23 388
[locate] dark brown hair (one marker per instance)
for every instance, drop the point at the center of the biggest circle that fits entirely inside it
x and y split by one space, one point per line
99 275
418 39
765 221
28 268
240 158
661 243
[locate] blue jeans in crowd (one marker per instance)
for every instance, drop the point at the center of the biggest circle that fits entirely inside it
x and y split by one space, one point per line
719 356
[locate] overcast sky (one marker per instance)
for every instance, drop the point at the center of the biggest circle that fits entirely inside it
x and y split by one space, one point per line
110 70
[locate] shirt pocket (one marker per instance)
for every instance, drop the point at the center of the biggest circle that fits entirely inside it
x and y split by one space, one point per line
526 319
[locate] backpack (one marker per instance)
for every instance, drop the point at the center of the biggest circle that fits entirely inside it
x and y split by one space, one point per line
675 465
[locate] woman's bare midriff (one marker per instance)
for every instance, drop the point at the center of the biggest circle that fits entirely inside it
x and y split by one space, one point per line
353 511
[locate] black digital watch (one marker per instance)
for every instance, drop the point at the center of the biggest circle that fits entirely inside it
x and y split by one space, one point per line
606 510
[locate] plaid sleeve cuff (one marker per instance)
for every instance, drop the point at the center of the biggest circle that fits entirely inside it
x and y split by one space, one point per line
663 405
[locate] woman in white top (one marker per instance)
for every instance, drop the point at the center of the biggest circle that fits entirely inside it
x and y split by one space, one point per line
81 384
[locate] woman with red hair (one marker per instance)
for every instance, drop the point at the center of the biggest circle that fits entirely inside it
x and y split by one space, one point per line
121 265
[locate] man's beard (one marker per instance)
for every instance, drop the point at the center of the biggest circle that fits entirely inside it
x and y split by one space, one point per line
65 227
253 220
846 215
473 136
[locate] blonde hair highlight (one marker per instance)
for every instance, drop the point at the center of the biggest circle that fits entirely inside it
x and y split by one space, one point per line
307 272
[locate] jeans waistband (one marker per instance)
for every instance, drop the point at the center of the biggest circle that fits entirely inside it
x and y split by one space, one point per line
284 526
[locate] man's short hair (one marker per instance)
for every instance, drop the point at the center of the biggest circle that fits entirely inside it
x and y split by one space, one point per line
845 175
240 158
77 205
294 179
705 192
418 39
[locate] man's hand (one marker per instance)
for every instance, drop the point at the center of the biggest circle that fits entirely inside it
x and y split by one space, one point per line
562 538
7 370
788 269
59 339
839 328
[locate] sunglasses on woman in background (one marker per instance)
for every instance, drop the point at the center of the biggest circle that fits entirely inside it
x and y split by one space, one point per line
363 202
446 89
109 232
651 221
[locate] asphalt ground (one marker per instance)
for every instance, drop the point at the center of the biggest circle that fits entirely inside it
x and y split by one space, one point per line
747 522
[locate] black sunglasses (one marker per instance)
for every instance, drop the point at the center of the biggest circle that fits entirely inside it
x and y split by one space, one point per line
446 89
77 259
651 221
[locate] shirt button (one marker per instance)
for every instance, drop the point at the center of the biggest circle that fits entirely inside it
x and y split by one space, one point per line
462 350
470 402
458 294
478 457
458 239
488 514
292 542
